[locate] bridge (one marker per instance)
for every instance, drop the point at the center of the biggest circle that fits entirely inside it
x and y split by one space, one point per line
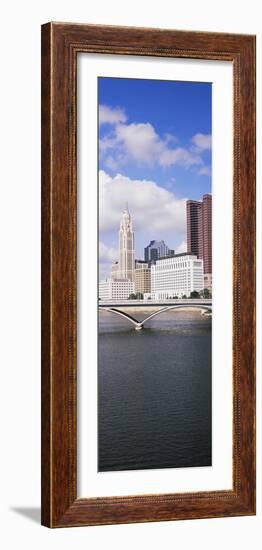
120 307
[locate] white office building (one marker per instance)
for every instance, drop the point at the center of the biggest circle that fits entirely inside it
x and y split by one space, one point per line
115 290
177 276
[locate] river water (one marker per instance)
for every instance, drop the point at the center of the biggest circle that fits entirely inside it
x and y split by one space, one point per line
154 392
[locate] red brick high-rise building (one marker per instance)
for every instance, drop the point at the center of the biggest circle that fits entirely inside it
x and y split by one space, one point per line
194 213
199 232
207 232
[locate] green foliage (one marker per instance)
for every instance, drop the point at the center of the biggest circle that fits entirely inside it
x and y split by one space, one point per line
137 296
132 296
194 294
207 293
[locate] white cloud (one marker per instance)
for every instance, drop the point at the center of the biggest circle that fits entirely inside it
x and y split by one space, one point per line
181 248
107 143
104 271
179 156
202 142
109 115
205 171
140 142
170 138
111 163
155 210
107 254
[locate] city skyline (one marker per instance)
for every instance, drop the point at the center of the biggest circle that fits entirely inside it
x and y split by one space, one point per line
116 258
155 154
163 275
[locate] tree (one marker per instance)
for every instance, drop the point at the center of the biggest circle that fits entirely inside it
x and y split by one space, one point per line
137 296
184 297
132 296
194 294
206 293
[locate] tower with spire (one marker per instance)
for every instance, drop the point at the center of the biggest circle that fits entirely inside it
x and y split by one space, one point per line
126 246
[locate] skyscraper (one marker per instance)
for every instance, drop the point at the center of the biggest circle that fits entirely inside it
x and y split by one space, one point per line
194 227
199 230
126 247
156 250
207 233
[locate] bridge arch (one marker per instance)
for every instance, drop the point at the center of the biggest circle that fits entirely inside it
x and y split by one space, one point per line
177 306
121 313
139 324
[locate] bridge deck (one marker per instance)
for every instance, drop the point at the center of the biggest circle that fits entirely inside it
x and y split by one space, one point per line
119 308
154 303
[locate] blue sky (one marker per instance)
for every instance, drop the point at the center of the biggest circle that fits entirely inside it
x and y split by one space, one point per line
155 152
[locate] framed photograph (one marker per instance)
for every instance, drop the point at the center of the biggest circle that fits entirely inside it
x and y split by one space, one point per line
148 275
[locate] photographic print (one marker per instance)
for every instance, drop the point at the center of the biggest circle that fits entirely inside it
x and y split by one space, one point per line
155 274
148 300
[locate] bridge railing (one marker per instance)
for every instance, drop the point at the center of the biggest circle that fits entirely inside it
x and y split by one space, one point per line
149 303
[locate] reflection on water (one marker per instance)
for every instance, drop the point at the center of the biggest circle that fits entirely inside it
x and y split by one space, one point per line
154 392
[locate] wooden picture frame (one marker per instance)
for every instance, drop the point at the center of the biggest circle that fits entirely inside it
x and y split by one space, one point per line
61 42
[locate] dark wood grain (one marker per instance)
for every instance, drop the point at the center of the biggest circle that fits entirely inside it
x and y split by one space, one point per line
46 327
60 44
